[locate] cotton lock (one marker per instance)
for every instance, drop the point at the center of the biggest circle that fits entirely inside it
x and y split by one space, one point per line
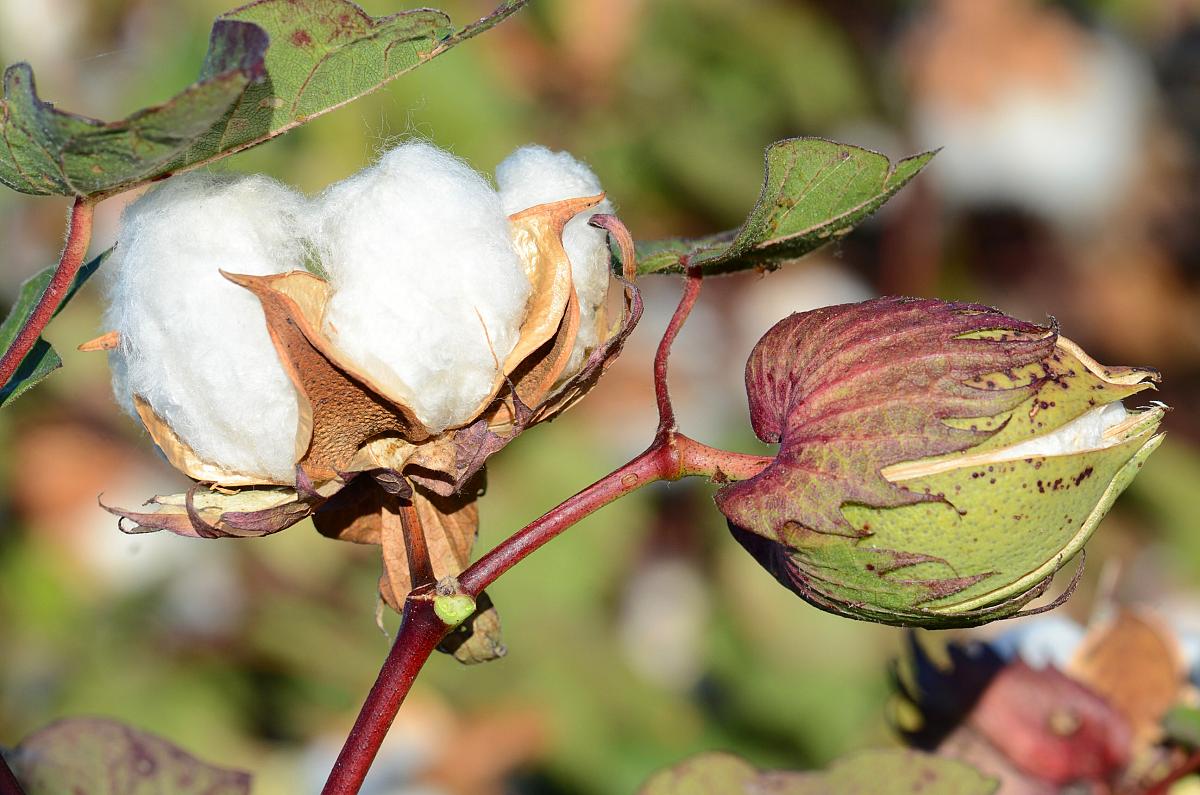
428 293
535 175
193 346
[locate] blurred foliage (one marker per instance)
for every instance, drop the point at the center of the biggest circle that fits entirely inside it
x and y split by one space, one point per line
256 654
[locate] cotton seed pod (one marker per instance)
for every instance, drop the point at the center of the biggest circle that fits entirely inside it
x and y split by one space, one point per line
938 461
365 463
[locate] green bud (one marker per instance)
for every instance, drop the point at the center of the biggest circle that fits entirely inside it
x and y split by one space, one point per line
453 609
938 462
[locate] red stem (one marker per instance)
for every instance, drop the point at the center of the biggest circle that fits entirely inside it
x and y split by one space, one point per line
670 457
691 289
8 781
79 236
1189 766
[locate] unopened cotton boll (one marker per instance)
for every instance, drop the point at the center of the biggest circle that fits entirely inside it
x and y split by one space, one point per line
193 345
534 175
428 291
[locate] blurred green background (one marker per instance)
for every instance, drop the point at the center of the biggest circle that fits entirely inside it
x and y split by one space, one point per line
1067 186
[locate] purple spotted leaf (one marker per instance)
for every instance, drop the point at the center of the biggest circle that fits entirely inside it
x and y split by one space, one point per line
94 756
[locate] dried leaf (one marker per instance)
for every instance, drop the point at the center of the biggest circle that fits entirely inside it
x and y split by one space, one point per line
1134 662
424 540
209 513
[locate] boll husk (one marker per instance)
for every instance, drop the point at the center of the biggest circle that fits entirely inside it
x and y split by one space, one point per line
443 330
534 175
194 360
938 462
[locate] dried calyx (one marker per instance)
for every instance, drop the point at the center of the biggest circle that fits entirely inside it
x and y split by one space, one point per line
938 461
368 389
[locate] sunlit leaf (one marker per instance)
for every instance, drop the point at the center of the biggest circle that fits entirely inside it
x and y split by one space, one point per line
42 359
271 66
814 191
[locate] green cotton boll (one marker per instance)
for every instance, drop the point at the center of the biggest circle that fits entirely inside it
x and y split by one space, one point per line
938 462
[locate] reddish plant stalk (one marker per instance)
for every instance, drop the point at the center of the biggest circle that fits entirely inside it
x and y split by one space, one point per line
670 456
79 237
1189 766
8 781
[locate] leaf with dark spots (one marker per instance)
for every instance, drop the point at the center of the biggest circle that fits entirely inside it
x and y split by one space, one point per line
49 151
94 756
272 65
42 359
848 390
814 191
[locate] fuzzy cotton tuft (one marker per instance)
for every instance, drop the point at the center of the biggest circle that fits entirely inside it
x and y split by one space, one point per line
429 293
194 345
535 175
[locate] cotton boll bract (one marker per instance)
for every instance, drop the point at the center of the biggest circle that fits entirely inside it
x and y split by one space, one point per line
428 291
193 345
535 175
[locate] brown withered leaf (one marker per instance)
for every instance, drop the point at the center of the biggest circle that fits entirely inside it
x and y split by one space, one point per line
1135 664
424 540
215 513
340 409
353 513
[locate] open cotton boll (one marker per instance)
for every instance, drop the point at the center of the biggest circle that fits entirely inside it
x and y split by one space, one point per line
194 345
535 175
428 291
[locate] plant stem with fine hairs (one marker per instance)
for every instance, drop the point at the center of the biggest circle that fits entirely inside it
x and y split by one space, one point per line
79 236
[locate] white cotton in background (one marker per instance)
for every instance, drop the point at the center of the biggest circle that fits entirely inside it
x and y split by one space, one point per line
535 175
429 293
194 345
1065 155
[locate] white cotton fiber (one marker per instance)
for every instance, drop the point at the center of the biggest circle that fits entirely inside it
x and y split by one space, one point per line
535 175
194 345
1085 432
429 293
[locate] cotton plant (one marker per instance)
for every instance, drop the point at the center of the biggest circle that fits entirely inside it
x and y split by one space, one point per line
357 356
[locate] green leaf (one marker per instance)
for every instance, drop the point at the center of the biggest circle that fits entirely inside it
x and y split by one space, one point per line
93 756
271 66
41 359
879 772
815 190
1182 726
49 151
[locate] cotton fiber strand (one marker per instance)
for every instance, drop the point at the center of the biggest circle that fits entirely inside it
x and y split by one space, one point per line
535 175
193 344
428 291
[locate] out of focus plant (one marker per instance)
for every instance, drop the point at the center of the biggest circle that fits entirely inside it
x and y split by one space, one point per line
938 461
